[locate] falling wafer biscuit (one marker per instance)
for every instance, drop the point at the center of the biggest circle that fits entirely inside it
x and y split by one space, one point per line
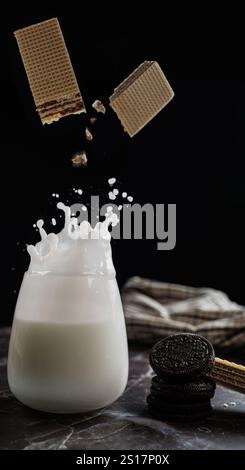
139 98
229 374
49 71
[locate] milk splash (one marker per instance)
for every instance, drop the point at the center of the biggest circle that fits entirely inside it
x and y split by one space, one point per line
77 249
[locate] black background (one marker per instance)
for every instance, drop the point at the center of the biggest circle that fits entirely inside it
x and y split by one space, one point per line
191 154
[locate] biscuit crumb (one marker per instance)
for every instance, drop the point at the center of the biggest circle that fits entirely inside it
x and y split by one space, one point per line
93 120
88 135
98 106
79 159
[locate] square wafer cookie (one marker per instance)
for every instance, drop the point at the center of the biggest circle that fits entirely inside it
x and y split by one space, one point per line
138 99
49 71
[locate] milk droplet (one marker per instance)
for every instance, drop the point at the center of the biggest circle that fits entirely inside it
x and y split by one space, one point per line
53 221
42 232
204 429
225 405
111 181
115 191
130 198
124 194
111 195
79 191
120 207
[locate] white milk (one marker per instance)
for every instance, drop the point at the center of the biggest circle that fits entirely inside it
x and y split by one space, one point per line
68 348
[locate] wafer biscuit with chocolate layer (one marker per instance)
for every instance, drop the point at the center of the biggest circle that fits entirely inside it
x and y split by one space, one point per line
229 374
138 99
49 71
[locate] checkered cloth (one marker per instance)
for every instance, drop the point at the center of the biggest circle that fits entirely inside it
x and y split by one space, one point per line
156 309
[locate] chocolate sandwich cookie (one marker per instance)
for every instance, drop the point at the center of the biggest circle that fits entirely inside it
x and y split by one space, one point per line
178 411
162 405
179 417
182 357
199 389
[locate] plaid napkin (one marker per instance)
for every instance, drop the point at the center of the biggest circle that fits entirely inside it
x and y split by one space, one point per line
156 309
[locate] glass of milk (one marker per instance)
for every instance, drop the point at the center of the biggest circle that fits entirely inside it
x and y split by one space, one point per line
68 348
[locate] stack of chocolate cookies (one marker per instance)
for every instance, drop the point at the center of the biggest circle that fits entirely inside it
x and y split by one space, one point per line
182 388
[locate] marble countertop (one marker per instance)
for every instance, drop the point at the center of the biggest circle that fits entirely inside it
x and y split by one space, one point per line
125 424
